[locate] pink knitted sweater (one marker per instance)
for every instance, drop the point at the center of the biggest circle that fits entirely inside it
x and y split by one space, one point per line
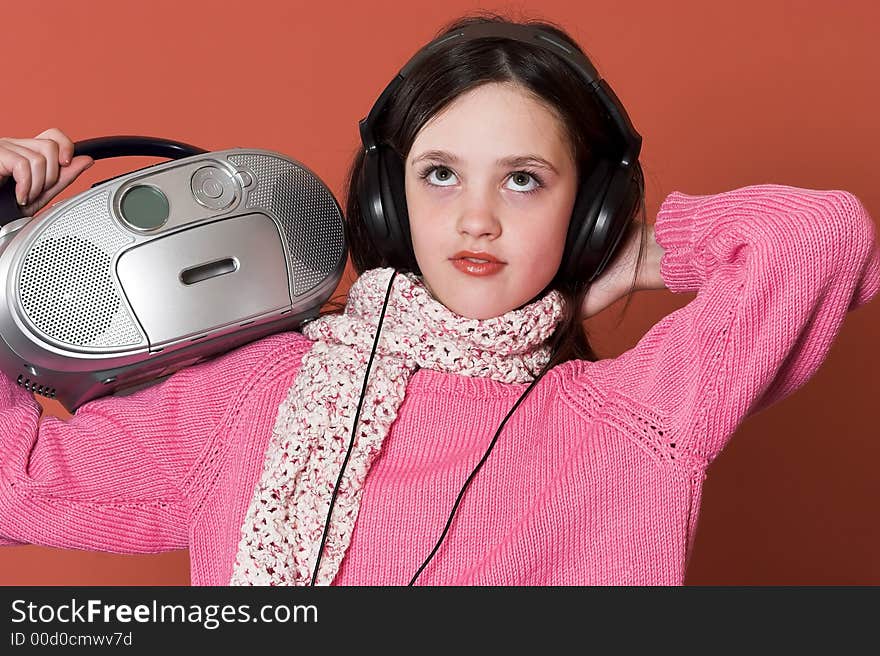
596 479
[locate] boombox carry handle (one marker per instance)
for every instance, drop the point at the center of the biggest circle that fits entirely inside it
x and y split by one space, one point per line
134 146
103 148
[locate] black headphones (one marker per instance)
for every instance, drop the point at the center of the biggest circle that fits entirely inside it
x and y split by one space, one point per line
605 198
598 222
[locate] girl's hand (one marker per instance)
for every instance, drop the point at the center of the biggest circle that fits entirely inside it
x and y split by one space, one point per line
615 281
42 167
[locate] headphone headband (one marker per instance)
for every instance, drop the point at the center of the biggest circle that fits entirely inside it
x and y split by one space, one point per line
513 31
613 108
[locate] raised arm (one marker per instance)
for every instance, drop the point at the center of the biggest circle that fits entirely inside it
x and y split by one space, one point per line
775 269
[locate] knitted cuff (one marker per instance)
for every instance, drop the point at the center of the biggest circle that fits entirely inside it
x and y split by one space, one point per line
677 230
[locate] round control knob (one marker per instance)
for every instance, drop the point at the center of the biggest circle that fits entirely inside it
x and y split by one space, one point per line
213 187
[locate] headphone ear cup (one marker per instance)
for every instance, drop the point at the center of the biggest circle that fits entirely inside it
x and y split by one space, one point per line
392 187
579 262
620 202
370 200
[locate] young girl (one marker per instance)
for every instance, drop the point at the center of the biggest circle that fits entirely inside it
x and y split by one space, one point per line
596 474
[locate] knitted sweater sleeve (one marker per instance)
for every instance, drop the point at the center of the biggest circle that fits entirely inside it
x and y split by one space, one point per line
111 477
775 270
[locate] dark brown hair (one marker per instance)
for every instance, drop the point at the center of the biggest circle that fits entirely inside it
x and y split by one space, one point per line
458 68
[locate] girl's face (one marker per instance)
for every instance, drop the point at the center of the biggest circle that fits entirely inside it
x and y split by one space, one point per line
493 172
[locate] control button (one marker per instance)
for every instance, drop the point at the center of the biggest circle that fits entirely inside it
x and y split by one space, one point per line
245 178
214 187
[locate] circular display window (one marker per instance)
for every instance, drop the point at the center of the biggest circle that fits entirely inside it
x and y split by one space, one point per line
144 207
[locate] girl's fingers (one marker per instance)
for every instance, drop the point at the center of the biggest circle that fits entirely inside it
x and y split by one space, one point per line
37 164
49 150
68 174
13 163
65 145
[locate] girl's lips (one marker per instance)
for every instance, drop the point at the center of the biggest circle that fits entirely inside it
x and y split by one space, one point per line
477 255
477 268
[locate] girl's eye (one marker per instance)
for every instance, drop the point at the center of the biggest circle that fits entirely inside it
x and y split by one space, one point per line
522 178
441 176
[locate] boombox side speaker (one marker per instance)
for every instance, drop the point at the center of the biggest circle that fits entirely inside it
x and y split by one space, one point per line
78 305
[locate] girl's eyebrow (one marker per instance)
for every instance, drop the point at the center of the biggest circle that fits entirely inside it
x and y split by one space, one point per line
512 161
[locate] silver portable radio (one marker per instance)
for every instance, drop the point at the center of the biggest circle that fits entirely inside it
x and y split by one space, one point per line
146 273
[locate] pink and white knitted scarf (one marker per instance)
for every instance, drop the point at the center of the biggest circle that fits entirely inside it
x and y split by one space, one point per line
285 521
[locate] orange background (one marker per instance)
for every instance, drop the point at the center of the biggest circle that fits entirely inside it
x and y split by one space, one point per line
724 95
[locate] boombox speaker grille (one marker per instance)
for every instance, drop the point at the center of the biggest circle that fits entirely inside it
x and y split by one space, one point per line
66 283
310 217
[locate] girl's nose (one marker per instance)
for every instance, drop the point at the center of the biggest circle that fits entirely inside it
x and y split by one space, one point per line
479 216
